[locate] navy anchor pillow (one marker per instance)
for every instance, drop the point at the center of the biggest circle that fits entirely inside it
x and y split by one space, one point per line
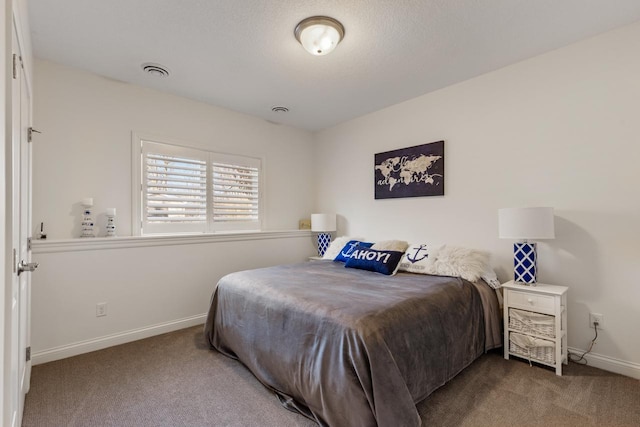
417 258
365 258
345 252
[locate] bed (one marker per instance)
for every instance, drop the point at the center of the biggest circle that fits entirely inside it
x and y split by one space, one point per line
348 347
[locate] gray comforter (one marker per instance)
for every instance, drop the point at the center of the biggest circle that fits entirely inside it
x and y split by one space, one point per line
348 347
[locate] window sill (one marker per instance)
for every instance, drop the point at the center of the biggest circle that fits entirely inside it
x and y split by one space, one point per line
99 243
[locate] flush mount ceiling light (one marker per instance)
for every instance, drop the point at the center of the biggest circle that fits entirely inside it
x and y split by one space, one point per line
155 69
319 35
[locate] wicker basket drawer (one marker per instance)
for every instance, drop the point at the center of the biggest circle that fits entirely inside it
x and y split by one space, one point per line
532 323
532 348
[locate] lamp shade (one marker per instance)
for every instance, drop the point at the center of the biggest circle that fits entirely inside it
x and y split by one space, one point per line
526 223
323 222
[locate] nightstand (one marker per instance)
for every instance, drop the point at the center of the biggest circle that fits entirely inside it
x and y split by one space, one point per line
535 323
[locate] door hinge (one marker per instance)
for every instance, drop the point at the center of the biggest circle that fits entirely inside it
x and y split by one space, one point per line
15 66
30 133
28 243
28 353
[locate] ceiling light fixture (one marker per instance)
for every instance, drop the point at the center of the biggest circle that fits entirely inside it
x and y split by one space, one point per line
279 109
319 35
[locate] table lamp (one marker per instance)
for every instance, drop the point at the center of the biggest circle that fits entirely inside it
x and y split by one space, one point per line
323 224
524 224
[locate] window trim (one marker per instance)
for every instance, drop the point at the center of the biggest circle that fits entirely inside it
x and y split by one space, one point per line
137 181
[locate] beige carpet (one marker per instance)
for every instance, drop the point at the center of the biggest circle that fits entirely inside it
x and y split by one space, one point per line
175 380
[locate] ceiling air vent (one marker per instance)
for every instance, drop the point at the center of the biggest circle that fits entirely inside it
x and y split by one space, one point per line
279 109
155 69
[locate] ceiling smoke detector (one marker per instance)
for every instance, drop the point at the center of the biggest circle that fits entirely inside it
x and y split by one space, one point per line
279 109
156 70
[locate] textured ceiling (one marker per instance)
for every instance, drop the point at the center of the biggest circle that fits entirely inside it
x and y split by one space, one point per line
242 55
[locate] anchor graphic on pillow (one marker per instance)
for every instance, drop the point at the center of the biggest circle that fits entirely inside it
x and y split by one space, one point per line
352 246
416 256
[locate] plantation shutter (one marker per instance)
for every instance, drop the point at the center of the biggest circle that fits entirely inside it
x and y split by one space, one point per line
184 190
174 192
235 192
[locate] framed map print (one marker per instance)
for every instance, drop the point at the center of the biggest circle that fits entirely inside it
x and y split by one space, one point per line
410 172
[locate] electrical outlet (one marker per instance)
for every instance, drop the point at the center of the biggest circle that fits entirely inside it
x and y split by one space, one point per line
596 317
101 309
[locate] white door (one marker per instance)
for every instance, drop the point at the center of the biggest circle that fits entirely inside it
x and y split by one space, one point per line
20 230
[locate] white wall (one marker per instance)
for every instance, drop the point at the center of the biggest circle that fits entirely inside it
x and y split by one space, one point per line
557 130
85 147
148 289
85 151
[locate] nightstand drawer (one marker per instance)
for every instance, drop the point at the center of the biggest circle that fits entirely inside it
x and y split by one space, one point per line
530 301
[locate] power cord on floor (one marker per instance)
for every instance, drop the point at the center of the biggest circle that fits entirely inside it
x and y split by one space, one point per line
581 360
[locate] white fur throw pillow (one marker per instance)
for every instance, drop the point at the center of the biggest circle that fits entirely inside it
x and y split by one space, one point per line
391 245
336 246
470 264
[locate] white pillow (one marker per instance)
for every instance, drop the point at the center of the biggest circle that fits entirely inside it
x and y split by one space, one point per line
336 246
390 245
490 277
416 258
470 264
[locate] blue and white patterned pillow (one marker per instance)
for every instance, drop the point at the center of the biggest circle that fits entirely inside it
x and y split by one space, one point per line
365 258
345 252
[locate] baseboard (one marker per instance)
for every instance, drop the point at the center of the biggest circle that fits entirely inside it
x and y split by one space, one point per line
87 346
610 364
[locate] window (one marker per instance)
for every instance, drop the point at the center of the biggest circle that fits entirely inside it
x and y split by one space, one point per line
235 186
184 190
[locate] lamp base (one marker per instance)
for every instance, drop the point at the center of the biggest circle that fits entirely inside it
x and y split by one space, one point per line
324 239
524 263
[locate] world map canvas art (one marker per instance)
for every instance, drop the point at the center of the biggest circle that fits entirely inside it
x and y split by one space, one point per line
410 172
